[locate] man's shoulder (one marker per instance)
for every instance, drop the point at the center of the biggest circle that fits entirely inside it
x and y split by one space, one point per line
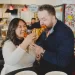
63 31
62 27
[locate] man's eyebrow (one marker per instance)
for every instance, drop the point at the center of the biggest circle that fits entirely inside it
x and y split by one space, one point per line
42 18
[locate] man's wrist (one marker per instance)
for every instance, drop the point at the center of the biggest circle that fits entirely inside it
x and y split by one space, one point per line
43 52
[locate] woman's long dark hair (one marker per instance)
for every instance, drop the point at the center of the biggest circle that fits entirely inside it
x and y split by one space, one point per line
11 35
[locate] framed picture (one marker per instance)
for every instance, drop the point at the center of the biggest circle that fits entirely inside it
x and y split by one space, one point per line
70 16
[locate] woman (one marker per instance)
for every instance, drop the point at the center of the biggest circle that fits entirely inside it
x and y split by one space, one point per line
15 53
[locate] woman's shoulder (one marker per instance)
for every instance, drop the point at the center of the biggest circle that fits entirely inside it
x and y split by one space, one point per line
8 43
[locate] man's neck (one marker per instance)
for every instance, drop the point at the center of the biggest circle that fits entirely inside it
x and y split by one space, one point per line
54 22
50 30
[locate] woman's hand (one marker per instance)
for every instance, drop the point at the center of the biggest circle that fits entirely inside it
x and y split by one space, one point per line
28 40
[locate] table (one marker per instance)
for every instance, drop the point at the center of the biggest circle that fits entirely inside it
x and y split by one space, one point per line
24 69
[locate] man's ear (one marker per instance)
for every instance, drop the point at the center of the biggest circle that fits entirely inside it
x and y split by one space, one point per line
53 17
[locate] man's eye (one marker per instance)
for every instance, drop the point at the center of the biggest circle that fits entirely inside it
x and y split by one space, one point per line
44 19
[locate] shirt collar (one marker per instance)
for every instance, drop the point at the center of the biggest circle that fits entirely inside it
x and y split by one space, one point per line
52 29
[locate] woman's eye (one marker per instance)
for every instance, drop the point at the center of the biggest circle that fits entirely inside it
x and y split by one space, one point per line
19 26
24 26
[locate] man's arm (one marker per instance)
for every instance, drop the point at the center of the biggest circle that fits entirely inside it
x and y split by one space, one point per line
64 53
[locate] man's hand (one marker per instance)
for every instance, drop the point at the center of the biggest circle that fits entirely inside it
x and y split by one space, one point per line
38 50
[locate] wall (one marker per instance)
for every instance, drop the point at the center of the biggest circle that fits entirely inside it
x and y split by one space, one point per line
38 2
28 2
4 1
59 2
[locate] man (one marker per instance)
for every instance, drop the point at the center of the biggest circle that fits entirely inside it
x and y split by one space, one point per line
35 25
57 43
33 20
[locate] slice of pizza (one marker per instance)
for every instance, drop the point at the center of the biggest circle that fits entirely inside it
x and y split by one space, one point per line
38 31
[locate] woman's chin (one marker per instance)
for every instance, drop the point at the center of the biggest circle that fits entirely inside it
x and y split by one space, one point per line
22 36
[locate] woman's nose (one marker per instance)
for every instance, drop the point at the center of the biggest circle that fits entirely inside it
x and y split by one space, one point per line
23 28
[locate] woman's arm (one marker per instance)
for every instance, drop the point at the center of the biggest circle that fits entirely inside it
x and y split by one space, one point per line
11 54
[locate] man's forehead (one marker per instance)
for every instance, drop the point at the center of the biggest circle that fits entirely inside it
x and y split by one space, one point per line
42 14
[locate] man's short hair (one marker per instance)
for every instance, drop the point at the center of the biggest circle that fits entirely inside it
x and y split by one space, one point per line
33 18
47 7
